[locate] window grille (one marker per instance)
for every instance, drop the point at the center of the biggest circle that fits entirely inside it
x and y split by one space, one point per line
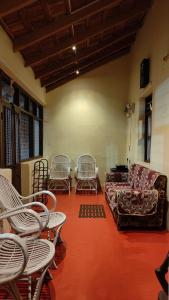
24 136
8 136
17 146
36 138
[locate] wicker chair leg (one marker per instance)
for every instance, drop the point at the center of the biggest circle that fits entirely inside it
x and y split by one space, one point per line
13 290
48 276
57 239
69 187
57 235
29 287
39 285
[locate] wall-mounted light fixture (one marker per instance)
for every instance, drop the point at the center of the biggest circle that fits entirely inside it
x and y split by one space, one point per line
129 109
166 57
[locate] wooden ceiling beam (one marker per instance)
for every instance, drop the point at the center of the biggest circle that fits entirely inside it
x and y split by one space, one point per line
46 10
10 6
61 23
97 64
48 70
25 20
84 64
6 28
122 16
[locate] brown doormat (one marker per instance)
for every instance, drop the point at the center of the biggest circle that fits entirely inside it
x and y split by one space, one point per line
92 211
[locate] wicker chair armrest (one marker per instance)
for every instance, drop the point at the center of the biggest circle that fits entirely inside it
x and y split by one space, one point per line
22 245
75 172
45 210
15 211
50 194
97 171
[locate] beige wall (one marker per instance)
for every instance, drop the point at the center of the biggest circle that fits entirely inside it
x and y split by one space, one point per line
87 116
152 41
13 64
27 168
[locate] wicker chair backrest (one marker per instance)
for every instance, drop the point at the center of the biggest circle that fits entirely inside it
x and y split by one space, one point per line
13 257
60 167
86 166
10 199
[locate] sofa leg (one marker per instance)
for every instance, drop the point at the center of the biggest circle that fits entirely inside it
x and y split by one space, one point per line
119 227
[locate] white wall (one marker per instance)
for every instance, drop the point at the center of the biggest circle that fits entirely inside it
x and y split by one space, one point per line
87 116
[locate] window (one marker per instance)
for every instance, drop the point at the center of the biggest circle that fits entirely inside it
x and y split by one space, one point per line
25 136
36 137
8 136
148 128
21 124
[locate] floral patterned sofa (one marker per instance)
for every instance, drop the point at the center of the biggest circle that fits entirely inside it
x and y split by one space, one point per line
137 199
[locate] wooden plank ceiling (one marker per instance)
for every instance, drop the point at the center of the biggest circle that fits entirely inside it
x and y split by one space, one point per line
62 39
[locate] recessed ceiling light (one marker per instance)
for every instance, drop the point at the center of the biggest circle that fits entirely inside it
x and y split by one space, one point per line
77 72
74 47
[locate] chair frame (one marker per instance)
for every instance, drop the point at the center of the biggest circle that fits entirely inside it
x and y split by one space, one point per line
86 180
59 175
31 262
8 280
160 273
51 220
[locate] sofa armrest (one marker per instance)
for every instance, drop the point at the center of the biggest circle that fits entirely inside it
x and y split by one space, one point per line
134 202
116 177
161 185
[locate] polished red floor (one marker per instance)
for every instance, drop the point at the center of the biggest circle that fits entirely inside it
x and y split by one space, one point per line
97 262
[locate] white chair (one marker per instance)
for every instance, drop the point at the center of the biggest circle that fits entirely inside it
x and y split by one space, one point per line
11 201
60 178
86 173
20 258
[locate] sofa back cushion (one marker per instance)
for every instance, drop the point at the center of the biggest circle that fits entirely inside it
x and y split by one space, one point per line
142 178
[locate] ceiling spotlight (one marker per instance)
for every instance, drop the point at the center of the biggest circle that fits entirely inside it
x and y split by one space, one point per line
77 72
74 48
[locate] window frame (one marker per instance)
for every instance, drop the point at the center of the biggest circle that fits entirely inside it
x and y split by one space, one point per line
148 128
17 109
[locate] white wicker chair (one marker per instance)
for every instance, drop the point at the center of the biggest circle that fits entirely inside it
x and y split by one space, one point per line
86 173
11 200
20 258
60 178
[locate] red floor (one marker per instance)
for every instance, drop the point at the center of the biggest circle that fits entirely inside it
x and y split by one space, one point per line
99 262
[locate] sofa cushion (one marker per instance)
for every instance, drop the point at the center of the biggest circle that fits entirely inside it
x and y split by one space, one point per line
142 178
134 202
111 190
116 185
